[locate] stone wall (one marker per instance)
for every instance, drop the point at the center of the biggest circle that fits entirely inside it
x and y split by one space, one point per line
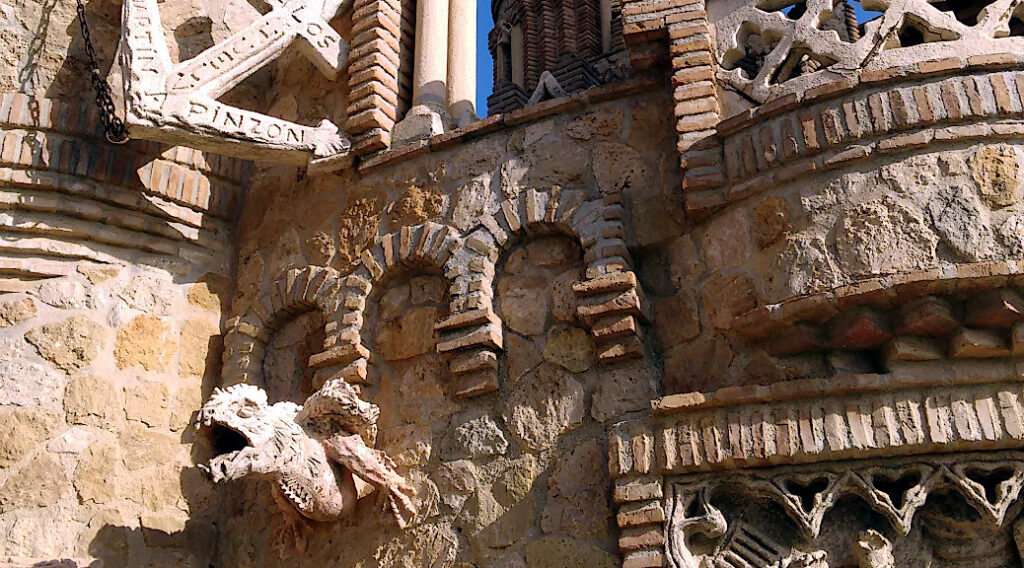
115 267
515 477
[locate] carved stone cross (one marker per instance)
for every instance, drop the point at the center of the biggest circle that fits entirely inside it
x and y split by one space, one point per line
178 104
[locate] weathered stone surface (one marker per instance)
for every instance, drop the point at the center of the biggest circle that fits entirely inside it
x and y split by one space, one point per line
563 298
416 205
772 221
552 251
13 312
577 496
98 274
409 334
570 348
561 552
884 236
150 292
524 304
210 293
727 240
94 400
727 295
804 266
427 290
546 403
677 319
516 480
24 382
600 124
319 248
623 387
357 228
409 445
198 335
38 483
394 301
22 430
146 341
69 344
617 167
63 293
699 365
148 402
474 434
95 478
997 172
522 355
456 481
959 219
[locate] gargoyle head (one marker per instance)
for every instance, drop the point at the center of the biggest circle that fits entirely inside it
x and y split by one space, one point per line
247 435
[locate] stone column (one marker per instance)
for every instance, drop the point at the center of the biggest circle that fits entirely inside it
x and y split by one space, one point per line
462 61
430 64
606 26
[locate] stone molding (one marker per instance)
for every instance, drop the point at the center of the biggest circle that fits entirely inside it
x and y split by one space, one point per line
893 419
72 196
764 149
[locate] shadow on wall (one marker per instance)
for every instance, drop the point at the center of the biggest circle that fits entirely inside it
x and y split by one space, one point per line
195 546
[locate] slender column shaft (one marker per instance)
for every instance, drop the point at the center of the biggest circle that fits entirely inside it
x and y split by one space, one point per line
462 58
606 25
431 53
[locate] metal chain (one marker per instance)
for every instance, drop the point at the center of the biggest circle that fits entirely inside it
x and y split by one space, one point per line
113 126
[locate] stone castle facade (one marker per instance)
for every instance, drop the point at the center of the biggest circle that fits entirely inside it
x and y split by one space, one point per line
716 284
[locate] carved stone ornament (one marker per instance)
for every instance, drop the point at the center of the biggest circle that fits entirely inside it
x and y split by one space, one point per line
177 104
966 509
316 455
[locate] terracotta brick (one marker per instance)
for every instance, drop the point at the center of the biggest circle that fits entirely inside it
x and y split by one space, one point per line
911 349
943 65
924 105
978 343
994 308
974 99
1001 93
928 316
900 108
800 338
859 329
809 128
950 100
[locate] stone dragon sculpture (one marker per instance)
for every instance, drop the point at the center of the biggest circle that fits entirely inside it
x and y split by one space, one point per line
315 455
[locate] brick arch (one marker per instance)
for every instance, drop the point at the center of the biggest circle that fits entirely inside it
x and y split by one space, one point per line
428 245
609 299
297 291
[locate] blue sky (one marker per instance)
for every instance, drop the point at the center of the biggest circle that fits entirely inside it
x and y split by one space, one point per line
484 71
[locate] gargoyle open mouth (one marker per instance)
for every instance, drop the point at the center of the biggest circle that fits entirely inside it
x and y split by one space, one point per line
225 441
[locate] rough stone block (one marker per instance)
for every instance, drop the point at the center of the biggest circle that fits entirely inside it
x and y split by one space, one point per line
971 343
994 308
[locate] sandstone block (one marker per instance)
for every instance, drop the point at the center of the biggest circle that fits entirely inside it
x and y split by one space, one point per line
146 342
623 387
22 430
577 500
996 170
13 312
562 552
474 434
70 344
677 319
408 335
94 400
570 348
38 483
699 365
546 403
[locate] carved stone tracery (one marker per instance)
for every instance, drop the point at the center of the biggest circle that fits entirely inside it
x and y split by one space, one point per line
983 488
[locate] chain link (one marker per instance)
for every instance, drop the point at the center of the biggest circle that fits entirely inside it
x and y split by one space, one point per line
113 126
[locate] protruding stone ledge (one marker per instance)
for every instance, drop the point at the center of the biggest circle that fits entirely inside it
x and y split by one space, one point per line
959 407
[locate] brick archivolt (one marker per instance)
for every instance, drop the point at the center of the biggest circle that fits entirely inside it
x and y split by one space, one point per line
609 299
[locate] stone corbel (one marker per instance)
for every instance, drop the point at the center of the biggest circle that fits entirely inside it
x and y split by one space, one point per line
177 104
